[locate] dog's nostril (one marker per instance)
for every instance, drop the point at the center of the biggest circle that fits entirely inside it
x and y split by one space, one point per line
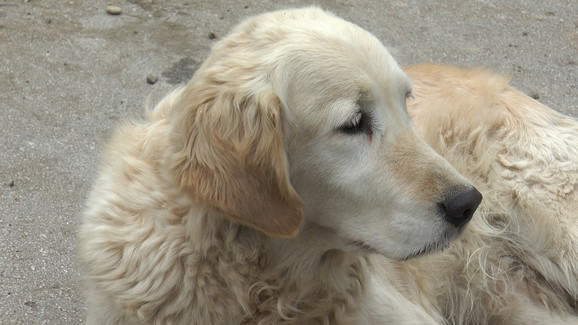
459 207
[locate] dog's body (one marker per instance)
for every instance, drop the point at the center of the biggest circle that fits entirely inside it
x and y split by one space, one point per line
519 257
297 123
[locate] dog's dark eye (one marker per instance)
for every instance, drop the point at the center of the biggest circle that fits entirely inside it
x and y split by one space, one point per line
360 123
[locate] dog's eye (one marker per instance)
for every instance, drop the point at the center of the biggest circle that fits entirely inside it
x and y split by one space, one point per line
358 124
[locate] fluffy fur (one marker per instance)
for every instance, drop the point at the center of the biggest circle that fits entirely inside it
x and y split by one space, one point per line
519 258
285 182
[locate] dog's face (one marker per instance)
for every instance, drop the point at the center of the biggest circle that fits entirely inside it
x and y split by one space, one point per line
300 114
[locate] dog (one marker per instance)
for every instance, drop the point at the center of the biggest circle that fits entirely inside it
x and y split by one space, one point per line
286 184
517 263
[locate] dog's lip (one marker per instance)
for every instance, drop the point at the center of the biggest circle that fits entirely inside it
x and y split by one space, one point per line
436 247
363 246
450 235
368 249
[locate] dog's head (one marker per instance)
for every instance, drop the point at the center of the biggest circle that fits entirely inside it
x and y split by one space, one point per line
298 115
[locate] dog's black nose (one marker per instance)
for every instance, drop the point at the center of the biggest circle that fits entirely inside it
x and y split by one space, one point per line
459 207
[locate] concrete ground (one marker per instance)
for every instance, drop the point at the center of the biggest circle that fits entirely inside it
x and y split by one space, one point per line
70 72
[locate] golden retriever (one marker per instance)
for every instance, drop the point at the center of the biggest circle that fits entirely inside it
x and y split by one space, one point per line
517 263
286 184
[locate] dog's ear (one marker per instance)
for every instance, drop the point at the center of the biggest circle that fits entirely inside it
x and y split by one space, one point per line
230 155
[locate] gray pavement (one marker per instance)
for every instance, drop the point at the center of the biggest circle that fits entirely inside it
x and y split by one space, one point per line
70 72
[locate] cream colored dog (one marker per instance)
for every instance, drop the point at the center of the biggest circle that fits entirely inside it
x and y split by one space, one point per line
284 181
518 261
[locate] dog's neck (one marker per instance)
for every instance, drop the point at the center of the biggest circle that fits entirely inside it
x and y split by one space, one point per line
283 278
310 268
314 249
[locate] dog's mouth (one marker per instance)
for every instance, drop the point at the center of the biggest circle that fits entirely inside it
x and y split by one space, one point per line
439 245
436 246
362 248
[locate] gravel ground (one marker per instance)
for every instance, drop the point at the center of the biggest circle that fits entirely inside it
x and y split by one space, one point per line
70 72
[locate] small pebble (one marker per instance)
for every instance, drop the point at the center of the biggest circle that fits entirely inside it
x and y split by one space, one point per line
30 304
113 10
11 184
212 35
152 79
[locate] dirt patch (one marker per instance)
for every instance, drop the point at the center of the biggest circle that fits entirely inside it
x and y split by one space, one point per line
181 71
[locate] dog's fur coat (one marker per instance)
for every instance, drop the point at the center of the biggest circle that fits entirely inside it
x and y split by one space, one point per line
178 228
519 256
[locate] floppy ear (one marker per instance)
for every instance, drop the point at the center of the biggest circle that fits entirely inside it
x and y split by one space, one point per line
230 155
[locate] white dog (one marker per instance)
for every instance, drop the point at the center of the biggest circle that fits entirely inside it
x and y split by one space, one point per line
280 185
